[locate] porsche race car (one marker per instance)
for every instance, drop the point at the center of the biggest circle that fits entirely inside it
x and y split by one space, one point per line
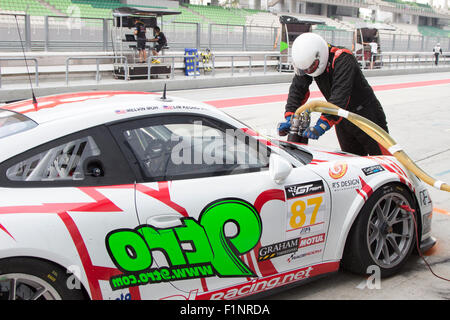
127 195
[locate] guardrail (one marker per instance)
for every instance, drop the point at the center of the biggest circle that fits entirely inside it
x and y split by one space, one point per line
172 65
36 67
278 55
213 62
232 61
97 59
398 60
383 61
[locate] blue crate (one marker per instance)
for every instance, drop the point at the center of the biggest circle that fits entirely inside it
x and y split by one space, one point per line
189 62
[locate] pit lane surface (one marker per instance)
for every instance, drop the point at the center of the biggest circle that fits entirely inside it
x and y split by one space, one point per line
417 108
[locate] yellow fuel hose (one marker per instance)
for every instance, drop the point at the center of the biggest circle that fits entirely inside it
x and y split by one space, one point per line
377 133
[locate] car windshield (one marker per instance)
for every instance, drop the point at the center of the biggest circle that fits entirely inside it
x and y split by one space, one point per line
12 123
295 151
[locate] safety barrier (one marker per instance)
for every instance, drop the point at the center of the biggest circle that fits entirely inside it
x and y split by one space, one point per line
278 55
232 61
402 60
390 61
213 62
36 68
97 59
172 64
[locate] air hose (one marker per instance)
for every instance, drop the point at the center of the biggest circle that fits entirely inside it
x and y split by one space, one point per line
376 133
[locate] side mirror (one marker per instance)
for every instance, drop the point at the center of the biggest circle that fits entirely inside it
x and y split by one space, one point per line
279 168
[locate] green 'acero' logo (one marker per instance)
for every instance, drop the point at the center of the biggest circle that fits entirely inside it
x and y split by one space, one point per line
194 249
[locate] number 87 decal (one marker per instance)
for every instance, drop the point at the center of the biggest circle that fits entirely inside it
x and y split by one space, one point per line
298 214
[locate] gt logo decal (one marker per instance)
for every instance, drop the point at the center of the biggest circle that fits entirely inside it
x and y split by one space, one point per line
298 215
211 252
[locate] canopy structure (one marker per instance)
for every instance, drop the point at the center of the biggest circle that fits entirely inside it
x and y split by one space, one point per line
296 20
124 20
137 12
375 25
125 43
124 16
291 28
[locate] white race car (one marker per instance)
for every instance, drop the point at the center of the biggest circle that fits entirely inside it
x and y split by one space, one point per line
125 195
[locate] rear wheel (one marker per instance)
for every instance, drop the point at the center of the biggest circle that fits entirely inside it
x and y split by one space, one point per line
33 279
383 234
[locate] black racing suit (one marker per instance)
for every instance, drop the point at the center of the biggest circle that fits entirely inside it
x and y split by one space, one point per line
140 36
343 84
162 41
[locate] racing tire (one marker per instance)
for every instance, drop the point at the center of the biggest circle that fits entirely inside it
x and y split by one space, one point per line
383 234
34 279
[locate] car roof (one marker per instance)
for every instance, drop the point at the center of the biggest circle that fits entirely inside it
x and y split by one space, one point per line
79 104
63 114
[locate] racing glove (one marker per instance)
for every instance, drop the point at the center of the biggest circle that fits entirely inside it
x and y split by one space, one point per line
283 127
319 129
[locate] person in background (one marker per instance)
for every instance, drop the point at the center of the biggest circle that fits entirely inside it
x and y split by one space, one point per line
161 42
341 81
373 52
437 50
141 39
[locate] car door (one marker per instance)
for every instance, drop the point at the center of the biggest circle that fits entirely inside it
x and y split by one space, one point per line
76 191
308 205
308 214
206 202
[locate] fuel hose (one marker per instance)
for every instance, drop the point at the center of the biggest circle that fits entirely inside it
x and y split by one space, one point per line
376 133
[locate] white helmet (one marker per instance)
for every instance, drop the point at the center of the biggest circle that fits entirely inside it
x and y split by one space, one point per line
309 54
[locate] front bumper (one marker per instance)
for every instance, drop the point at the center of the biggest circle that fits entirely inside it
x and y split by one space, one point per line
427 244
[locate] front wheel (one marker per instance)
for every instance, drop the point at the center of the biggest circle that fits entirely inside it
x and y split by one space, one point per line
33 279
383 234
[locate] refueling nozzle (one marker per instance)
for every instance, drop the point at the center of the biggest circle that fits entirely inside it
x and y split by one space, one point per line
299 123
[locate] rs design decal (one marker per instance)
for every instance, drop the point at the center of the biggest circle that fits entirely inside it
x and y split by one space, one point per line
348 184
196 249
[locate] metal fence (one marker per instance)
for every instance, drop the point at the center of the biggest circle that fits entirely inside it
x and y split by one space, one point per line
55 33
337 37
411 43
236 64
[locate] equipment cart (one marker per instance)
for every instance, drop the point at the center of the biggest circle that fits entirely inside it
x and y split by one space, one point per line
125 44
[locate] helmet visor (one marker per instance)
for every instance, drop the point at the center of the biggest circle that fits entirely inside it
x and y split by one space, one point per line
313 67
